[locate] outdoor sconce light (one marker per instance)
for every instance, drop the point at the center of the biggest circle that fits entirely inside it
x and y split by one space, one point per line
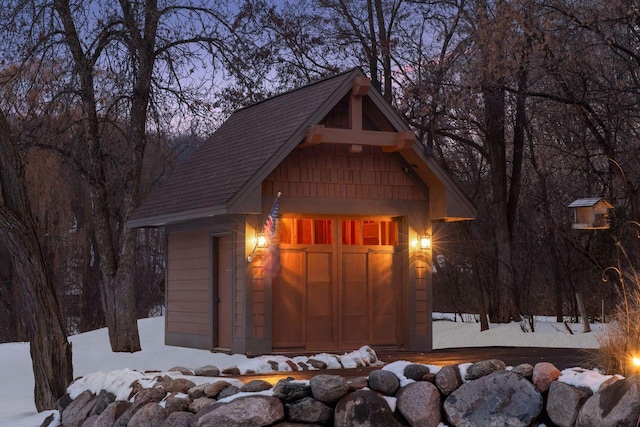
261 240
425 242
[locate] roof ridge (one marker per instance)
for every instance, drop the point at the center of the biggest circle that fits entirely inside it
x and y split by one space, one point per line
297 89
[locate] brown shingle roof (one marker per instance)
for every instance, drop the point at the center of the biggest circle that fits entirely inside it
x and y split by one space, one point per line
240 154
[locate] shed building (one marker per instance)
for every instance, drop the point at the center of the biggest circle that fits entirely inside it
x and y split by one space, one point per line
344 267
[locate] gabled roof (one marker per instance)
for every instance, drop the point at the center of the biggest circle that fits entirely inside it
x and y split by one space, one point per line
589 202
226 170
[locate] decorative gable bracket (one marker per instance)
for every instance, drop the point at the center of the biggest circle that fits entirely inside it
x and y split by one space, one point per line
388 141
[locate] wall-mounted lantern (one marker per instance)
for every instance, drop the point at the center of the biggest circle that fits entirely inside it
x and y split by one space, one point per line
425 242
590 213
261 241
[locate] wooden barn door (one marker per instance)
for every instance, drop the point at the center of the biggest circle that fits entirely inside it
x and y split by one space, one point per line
303 300
370 297
339 286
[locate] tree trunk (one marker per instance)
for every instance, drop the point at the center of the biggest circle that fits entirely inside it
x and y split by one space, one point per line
50 350
504 307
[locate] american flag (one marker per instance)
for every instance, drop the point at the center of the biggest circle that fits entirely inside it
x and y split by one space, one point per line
270 232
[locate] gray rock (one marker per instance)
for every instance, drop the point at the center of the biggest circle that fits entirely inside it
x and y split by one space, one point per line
485 367
177 419
198 404
501 398
564 403
289 391
182 370
103 400
79 409
317 364
364 408
525 370
448 379
179 385
197 391
419 404
329 388
616 405
212 390
416 371
176 403
90 422
150 415
256 385
385 382
144 396
111 414
207 371
544 373
232 370
308 410
228 391
250 411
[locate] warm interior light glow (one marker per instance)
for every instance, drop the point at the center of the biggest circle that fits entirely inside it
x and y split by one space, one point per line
635 360
425 242
262 240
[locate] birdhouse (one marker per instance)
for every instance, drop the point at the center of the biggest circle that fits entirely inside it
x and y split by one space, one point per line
590 214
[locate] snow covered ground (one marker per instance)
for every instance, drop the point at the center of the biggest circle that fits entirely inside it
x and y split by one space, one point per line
92 355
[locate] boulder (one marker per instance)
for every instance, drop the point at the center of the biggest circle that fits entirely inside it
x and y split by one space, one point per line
212 389
232 370
448 379
357 383
176 403
150 415
198 404
544 373
329 388
419 404
177 419
207 371
249 411
111 413
317 364
179 385
79 409
255 386
182 370
103 400
364 408
228 391
525 370
308 410
483 368
616 405
385 382
416 371
564 403
500 398
289 390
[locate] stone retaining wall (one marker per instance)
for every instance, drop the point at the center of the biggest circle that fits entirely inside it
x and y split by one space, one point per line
489 394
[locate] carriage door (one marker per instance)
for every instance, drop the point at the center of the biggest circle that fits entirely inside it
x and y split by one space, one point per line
370 287
338 285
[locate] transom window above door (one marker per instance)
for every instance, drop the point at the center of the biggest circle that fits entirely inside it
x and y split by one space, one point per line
309 231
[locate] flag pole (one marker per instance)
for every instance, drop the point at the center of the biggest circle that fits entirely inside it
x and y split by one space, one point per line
250 257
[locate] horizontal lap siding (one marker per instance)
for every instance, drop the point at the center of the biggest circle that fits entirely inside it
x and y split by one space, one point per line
189 283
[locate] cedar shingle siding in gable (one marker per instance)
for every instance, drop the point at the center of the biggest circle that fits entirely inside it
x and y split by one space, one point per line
237 151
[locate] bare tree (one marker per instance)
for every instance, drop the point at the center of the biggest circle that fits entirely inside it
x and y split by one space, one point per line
50 350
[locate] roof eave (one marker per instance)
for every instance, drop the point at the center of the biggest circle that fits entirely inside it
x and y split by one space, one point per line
173 218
